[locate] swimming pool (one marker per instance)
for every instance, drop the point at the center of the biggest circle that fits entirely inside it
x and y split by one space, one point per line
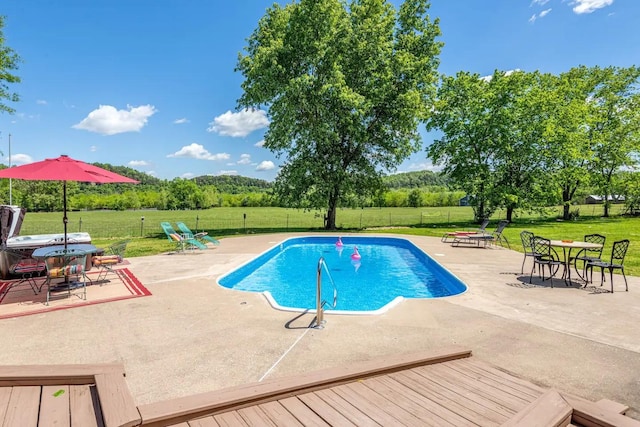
389 270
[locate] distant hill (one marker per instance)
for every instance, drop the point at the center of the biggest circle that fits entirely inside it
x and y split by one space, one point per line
131 173
234 184
417 179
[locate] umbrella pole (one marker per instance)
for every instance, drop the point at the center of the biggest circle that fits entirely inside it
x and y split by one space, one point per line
64 208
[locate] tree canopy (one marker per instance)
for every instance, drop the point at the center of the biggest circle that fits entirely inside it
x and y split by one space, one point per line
346 87
521 140
9 61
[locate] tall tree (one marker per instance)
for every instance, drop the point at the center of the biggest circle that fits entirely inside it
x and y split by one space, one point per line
9 61
472 114
567 139
346 87
615 124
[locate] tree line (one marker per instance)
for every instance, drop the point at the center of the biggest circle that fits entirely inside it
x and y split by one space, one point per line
519 140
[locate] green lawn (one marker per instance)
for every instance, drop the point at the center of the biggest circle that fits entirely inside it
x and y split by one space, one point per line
147 237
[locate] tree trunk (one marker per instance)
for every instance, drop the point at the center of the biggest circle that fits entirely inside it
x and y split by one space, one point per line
510 213
566 204
606 208
330 223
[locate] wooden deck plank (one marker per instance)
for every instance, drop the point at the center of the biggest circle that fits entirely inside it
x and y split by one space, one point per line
274 389
452 399
378 409
550 410
22 409
344 407
5 395
324 410
82 408
279 414
184 424
230 419
498 382
255 417
203 422
54 406
610 405
116 401
482 394
496 392
303 413
511 379
416 403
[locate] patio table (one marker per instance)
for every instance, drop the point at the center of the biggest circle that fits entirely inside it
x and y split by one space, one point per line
567 246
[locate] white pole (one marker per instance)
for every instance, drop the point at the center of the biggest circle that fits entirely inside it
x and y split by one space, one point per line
10 200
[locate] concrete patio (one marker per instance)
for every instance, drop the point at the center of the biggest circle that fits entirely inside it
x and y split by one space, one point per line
193 336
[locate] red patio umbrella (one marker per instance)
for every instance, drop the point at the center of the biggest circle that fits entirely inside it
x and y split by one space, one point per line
64 169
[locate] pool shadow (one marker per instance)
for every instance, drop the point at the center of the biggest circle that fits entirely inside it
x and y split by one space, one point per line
300 321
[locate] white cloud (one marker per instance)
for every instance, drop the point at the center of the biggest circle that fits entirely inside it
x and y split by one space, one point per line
20 159
197 151
239 124
506 73
245 159
259 143
151 173
588 6
187 175
109 121
544 13
229 172
181 121
539 2
136 163
93 148
540 15
424 166
265 165
41 102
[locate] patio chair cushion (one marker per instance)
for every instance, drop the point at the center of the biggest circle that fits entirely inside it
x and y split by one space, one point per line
27 266
66 270
106 260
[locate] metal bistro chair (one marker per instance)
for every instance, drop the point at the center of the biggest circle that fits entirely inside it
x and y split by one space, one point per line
618 252
113 256
588 255
545 255
63 264
527 244
25 267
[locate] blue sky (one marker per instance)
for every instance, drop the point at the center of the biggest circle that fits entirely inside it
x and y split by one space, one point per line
150 84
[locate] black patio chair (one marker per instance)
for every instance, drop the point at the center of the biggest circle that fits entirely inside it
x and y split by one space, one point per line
545 255
527 244
618 252
588 255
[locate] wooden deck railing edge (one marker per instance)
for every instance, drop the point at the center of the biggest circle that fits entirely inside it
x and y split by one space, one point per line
26 375
550 409
116 402
189 407
589 413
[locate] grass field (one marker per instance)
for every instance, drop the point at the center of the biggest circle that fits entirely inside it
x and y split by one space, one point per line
148 238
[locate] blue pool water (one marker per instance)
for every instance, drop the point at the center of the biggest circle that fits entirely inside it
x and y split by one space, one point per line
389 268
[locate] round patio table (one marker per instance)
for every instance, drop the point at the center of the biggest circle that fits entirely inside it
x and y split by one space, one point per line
567 246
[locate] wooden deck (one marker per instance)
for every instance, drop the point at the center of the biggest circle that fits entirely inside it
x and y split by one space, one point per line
66 395
435 388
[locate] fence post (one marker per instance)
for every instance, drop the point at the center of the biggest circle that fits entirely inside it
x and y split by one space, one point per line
80 225
360 220
287 227
245 222
141 226
197 220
